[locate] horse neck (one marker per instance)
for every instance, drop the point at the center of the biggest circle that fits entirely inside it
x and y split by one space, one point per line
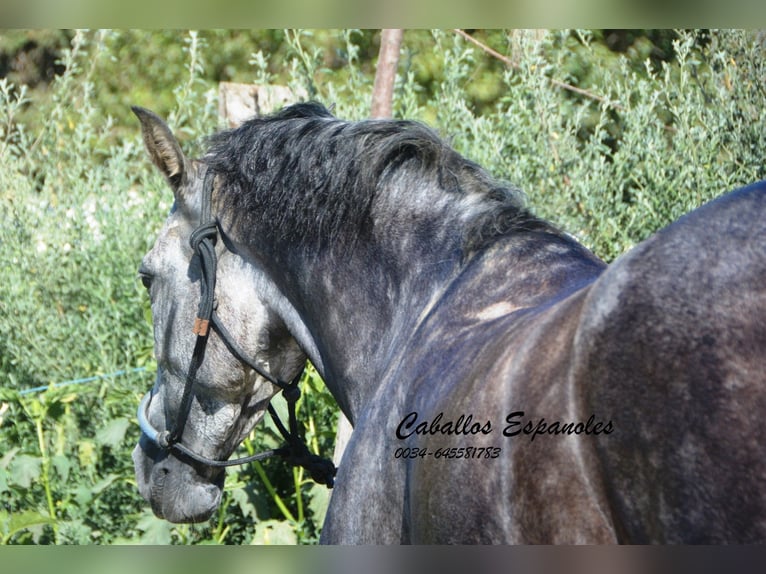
353 314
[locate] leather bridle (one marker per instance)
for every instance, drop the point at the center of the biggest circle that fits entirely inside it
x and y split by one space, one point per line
294 450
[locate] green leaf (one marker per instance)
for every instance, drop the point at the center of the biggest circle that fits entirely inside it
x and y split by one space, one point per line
63 465
83 495
25 469
155 530
320 499
27 519
35 407
242 499
104 483
74 531
8 456
86 452
274 532
112 434
9 394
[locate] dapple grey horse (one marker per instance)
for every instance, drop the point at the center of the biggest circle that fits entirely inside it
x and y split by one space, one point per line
505 385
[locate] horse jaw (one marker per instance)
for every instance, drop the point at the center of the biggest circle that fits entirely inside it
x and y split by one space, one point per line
176 491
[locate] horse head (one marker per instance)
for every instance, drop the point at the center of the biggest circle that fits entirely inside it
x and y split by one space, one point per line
209 405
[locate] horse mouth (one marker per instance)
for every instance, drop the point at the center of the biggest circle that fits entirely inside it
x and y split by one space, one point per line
176 491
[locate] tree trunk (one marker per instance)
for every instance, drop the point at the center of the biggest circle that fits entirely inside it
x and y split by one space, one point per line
385 75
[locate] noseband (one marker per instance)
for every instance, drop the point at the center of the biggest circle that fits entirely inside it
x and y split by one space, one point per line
294 450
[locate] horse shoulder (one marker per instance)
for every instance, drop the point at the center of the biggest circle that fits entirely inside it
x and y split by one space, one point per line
513 488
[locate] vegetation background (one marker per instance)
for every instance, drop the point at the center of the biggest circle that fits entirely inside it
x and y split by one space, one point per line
611 133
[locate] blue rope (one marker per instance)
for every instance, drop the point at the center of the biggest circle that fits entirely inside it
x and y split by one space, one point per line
82 381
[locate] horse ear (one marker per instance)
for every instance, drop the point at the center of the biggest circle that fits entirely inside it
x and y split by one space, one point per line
162 147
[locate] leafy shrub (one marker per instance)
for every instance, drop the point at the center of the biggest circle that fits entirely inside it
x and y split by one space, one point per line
659 142
638 142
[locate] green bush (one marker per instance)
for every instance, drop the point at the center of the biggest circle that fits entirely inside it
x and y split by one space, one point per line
640 141
662 141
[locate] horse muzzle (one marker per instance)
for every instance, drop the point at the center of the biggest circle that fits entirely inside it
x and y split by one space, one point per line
176 491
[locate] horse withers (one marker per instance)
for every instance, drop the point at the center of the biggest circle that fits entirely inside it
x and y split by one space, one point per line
504 384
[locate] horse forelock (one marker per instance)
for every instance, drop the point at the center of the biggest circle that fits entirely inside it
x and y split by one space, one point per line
312 179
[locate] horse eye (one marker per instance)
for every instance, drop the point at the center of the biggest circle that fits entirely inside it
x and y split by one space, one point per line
146 280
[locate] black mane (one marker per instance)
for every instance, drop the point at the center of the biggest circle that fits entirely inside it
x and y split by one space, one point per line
310 178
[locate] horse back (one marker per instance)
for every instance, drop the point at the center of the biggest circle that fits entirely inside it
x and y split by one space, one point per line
672 345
